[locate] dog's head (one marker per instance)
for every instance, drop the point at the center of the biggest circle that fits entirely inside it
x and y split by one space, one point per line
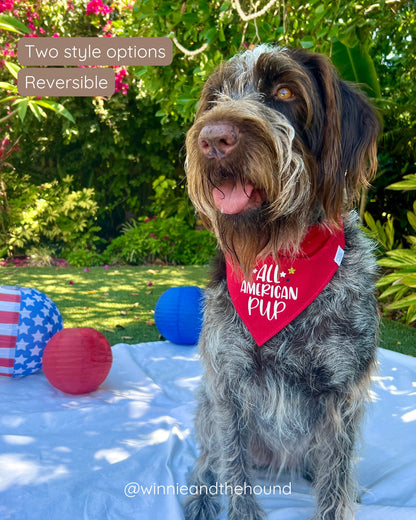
278 142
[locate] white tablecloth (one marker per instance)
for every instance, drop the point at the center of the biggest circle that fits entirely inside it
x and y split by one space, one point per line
124 451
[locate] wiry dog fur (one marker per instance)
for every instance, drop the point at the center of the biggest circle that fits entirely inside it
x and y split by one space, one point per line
305 142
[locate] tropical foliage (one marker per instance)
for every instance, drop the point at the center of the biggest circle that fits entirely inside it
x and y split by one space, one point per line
399 284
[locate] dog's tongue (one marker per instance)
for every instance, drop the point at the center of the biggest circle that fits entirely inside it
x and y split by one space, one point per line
233 197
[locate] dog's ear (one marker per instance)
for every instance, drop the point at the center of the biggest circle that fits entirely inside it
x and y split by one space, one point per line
329 184
349 152
347 160
360 128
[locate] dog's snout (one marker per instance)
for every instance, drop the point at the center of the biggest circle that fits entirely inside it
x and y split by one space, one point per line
217 140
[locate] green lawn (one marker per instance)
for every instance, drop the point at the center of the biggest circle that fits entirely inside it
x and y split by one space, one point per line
119 301
398 337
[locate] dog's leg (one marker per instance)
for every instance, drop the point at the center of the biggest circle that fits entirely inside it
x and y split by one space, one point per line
332 454
203 502
236 461
222 466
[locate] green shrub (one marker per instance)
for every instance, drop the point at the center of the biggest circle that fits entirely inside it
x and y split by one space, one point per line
52 213
83 257
167 240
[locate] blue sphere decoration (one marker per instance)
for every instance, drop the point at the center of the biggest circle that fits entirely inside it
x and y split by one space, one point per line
28 320
178 314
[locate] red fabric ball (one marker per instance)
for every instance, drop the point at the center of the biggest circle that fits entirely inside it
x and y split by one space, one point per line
77 360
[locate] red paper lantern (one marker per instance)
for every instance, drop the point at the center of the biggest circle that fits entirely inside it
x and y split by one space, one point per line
77 360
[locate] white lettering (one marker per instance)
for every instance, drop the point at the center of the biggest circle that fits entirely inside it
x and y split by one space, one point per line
43 53
277 292
29 47
142 53
265 309
30 82
293 293
265 289
261 275
253 303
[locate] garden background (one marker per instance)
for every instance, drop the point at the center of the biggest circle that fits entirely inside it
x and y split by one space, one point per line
91 182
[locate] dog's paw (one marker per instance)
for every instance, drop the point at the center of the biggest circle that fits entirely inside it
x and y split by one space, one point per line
333 515
245 507
202 507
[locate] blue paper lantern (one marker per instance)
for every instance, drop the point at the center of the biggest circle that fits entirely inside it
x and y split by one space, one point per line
28 320
178 314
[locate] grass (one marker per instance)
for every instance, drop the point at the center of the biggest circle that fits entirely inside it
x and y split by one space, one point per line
120 301
398 337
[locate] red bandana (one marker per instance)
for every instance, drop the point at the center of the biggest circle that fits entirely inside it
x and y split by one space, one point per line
279 291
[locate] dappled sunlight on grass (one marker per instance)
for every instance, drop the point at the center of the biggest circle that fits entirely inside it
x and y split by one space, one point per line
118 301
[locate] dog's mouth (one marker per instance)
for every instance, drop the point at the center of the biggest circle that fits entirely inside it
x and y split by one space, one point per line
232 196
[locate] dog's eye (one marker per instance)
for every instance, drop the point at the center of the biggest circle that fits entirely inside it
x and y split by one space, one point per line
284 93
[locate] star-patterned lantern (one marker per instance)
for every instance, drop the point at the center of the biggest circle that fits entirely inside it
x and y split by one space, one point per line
28 320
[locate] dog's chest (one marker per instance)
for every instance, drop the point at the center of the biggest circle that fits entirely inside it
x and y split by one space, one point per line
294 364
283 392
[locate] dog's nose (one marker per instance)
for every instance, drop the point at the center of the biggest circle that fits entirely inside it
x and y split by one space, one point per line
218 139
